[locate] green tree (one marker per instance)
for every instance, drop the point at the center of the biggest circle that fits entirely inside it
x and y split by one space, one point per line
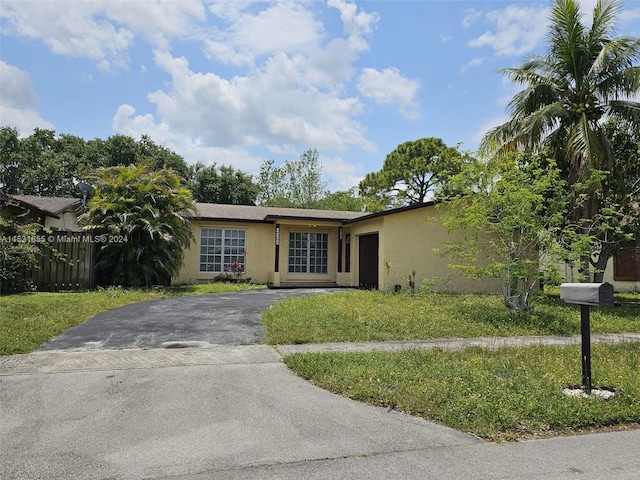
124 150
295 184
145 217
46 164
33 165
587 75
411 173
214 184
10 160
158 157
342 200
616 206
510 209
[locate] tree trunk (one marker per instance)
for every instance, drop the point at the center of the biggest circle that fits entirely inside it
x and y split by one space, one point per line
601 264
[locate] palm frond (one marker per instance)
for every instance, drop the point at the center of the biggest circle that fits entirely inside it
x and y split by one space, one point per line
626 110
532 99
603 26
566 35
537 126
583 149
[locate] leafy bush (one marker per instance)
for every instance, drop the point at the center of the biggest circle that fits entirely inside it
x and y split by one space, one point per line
18 254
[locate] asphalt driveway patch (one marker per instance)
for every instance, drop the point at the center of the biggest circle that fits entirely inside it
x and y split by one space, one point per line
190 321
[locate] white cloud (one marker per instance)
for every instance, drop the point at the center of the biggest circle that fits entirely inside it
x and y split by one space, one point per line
191 148
390 87
158 22
470 17
282 27
518 30
69 31
357 23
474 62
342 175
630 16
270 106
102 31
291 95
18 100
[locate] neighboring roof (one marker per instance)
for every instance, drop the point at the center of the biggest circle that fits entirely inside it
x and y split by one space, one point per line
51 206
214 211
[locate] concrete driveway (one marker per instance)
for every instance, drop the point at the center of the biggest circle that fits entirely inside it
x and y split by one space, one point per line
217 319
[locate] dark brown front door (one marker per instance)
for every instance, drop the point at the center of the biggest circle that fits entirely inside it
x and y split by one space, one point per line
368 261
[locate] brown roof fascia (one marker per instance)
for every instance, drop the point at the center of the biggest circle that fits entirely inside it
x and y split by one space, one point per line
384 213
232 220
271 218
305 218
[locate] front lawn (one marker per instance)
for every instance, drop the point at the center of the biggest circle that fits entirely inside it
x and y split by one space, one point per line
376 316
29 320
504 394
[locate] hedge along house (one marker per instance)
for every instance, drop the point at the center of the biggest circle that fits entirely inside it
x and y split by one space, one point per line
297 247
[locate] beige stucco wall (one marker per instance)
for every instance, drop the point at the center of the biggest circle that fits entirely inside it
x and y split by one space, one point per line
406 243
260 248
67 222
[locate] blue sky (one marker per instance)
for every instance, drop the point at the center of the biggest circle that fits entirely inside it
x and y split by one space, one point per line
239 82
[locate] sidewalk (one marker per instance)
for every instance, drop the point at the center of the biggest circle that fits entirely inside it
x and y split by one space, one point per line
454 343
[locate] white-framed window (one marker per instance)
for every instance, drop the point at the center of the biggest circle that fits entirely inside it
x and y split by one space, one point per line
220 248
308 252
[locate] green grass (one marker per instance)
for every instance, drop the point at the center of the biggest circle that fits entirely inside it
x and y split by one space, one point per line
376 316
499 395
31 319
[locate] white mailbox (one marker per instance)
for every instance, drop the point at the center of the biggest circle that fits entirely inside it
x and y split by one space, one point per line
599 294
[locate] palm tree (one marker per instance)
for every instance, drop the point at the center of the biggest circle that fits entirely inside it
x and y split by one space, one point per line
143 217
587 76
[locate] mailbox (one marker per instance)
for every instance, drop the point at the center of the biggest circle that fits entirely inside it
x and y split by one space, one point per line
597 294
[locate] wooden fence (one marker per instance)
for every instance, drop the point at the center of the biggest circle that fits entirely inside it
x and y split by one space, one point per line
66 262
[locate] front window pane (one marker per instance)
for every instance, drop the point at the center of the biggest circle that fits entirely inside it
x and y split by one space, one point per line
308 252
222 250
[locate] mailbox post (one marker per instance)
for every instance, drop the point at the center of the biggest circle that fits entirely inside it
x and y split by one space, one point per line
587 295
